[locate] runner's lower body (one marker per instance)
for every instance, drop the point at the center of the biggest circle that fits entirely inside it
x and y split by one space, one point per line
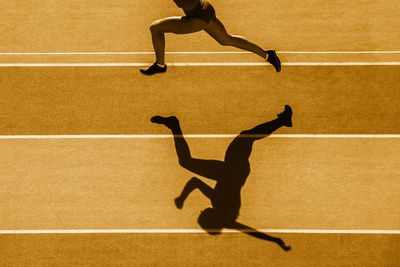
202 18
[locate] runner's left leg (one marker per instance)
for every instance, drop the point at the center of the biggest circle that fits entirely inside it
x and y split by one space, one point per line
177 25
217 31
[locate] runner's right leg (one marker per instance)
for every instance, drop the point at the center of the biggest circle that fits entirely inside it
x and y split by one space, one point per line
177 25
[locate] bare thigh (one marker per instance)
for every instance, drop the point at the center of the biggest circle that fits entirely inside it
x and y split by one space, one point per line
212 169
178 25
217 30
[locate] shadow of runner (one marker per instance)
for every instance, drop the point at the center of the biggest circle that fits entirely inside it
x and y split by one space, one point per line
230 175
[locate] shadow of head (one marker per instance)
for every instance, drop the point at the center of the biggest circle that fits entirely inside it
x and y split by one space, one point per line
210 221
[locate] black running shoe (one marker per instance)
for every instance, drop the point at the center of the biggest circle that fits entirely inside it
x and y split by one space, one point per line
274 60
286 116
153 69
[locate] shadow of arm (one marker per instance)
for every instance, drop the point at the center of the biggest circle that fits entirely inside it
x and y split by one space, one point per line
253 232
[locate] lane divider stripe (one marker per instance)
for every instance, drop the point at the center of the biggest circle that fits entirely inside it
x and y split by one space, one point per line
161 136
197 52
198 64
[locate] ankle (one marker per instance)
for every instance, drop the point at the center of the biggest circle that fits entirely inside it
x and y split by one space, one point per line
266 55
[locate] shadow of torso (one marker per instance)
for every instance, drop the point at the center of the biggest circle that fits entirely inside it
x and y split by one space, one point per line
227 199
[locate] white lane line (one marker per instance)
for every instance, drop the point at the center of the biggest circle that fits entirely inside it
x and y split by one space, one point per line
199 64
195 231
199 52
161 136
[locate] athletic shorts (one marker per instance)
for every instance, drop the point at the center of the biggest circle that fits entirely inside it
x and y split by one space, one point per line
203 11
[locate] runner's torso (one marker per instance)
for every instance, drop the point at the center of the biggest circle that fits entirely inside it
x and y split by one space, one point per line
193 7
187 5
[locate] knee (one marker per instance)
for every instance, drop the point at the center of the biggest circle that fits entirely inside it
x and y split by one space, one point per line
194 181
184 161
225 41
155 27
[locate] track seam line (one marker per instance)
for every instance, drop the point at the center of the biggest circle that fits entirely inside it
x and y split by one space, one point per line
161 136
186 231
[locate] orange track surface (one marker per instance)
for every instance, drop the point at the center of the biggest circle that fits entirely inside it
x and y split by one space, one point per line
130 183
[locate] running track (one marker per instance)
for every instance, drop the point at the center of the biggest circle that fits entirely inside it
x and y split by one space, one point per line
336 169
